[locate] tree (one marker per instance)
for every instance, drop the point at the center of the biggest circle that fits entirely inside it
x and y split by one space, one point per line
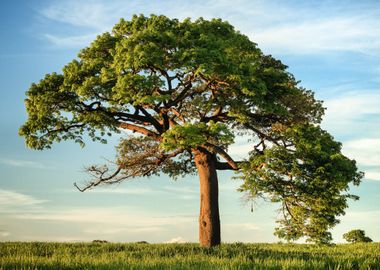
185 90
356 236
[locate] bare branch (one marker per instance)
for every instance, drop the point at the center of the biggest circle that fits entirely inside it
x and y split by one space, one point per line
101 179
142 165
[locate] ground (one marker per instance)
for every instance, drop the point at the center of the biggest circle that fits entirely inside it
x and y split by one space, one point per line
42 255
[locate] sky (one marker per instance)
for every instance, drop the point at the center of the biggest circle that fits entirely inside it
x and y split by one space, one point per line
332 47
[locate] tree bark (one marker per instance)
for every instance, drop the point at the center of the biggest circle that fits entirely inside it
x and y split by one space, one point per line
209 222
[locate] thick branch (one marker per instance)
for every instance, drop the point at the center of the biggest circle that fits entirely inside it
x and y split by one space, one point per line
181 96
153 120
167 77
226 165
140 130
177 114
218 116
146 118
218 150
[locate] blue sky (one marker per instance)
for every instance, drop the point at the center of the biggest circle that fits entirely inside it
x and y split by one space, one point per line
332 47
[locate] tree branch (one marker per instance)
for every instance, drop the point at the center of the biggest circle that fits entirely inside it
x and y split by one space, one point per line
138 167
218 150
146 118
100 180
226 165
140 130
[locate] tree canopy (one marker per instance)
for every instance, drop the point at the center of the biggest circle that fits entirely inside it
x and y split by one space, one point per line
185 86
356 236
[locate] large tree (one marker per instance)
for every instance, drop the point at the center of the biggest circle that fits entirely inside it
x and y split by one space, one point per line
185 90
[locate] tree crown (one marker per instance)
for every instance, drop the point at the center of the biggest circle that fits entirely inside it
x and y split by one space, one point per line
356 236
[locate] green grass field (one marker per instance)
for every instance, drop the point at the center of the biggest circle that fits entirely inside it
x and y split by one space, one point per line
38 255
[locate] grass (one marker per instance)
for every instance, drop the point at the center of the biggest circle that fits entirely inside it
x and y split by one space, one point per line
41 255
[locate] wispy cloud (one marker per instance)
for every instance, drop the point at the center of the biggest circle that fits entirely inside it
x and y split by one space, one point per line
359 109
354 117
23 163
320 35
373 175
70 41
105 216
108 222
276 25
354 105
10 201
4 233
89 14
365 151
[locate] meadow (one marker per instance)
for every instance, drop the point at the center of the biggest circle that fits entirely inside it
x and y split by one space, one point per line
42 255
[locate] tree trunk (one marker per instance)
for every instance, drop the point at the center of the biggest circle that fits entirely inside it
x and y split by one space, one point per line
209 222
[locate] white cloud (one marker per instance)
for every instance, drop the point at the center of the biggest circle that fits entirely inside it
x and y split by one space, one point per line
90 14
365 151
4 233
11 200
316 35
23 163
110 216
70 41
360 110
178 239
353 105
109 222
275 26
372 175
355 118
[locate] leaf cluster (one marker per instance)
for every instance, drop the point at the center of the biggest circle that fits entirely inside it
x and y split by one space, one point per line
356 236
309 178
190 136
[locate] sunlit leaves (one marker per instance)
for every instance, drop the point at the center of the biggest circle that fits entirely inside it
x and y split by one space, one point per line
356 236
190 136
308 178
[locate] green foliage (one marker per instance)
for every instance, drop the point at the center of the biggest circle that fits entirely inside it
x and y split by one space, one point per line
356 236
210 65
190 136
187 256
307 178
